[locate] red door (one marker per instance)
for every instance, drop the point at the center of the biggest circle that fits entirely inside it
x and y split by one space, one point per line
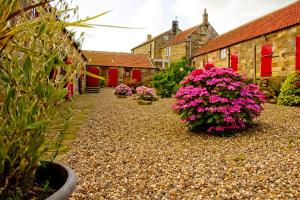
234 62
113 77
91 81
266 60
137 75
298 52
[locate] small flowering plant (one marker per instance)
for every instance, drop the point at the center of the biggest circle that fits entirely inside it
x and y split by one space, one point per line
123 90
145 93
217 100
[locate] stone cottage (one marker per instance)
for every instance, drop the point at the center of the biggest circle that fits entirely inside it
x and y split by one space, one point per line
153 46
118 67
266 47
186 43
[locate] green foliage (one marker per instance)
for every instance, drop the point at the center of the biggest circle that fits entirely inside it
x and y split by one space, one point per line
102 83
290 90
166 82
31 47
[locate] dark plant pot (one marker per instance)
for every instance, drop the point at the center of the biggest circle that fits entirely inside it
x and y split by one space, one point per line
60 177
121 96
144 102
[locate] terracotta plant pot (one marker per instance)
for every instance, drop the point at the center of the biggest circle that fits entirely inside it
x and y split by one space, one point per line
144 102
60 177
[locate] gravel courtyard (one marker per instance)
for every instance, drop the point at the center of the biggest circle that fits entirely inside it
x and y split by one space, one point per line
130 151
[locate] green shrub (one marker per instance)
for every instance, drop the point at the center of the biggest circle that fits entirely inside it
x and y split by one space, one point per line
290 91
102 83
166 82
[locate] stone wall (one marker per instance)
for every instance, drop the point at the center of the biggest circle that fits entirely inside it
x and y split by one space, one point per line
147 74
283 57
198 38
144 49
153 48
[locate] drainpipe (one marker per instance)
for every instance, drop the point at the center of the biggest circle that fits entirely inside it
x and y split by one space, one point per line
254 62
228 57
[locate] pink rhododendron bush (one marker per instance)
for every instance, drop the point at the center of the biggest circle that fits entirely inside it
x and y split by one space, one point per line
123 90
217 100
145 93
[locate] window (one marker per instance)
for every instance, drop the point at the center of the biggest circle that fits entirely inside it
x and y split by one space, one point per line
103 72
168 51
127 72
166 37
223 53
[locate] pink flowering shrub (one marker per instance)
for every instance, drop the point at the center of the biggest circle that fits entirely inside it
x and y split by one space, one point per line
123 90
145 93
217 100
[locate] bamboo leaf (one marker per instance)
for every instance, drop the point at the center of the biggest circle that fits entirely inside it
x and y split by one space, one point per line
36 125
27 67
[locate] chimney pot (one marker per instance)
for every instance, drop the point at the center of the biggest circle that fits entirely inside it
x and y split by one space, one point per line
149 36
205 18
174 27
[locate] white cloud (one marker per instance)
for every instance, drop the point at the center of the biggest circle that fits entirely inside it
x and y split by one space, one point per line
150 17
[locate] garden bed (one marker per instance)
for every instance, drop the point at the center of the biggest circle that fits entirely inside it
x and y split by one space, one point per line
126 151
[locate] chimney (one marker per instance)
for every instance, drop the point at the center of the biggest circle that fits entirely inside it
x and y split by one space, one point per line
205 18
149 36
174 26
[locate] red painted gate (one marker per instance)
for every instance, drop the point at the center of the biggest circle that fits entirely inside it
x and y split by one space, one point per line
113 77
234 62
298 52
91 81
266 60
137 75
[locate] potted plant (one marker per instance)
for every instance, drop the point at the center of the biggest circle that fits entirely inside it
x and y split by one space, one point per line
122 91
34 43
145 95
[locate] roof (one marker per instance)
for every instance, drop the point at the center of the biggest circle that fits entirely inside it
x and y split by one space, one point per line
183 35
153 38
275 21
65 31
118 59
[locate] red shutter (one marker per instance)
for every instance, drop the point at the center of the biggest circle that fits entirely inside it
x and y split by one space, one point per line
298 52
266 60
234 62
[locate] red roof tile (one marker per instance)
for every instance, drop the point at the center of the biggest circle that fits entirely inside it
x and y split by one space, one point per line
117 59
183 35
274 21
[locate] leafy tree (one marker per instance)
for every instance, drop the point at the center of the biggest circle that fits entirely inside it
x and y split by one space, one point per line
166 82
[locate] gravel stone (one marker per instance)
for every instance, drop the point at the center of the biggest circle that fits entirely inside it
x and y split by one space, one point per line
129 151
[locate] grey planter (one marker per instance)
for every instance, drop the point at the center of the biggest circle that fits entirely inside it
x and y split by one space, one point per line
60 176
144 102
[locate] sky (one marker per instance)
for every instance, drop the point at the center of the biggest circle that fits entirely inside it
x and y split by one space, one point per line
155 17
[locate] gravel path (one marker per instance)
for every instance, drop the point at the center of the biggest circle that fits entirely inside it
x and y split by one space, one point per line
129 151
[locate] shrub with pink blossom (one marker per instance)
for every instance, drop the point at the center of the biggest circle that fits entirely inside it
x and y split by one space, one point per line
145 93
217 100
123 90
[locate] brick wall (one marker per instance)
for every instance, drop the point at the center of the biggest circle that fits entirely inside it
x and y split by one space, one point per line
283 57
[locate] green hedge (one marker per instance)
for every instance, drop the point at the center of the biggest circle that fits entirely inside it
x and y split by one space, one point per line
290 90
166 82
